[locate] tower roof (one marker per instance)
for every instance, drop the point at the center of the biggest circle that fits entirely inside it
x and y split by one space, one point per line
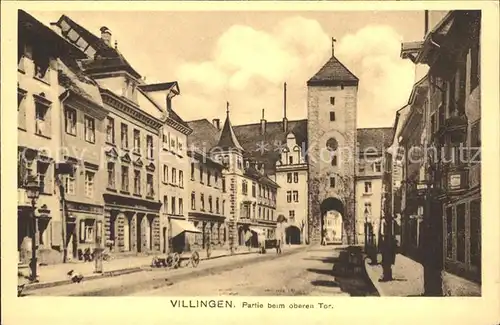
333 73
228 138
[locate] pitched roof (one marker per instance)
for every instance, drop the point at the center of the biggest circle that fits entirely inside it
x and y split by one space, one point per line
374 140
333 73
265 148
227 137
205 135
106 58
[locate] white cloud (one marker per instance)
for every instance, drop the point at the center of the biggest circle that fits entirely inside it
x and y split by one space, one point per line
249 66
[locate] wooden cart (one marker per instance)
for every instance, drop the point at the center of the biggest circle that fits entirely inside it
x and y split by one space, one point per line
178 256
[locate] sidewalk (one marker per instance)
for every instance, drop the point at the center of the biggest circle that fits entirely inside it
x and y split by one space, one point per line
409 280
56 275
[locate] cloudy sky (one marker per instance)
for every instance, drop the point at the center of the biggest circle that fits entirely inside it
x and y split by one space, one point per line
244 57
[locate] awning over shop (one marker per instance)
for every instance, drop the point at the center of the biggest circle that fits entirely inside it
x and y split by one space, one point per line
179 226
256 229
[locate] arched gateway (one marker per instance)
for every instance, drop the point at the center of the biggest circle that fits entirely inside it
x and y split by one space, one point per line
292 235
331 221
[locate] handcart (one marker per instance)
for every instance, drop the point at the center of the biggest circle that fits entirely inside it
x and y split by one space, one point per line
178 255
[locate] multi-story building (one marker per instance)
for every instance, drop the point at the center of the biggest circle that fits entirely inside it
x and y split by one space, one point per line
132 207
207 207
291 176
372 143
174 164
44 80
452 119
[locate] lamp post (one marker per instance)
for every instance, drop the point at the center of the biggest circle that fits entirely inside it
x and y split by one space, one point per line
33 192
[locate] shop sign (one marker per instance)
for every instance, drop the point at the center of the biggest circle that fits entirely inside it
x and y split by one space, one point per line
455 181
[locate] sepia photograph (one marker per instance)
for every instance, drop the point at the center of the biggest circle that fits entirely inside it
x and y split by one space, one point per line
249 153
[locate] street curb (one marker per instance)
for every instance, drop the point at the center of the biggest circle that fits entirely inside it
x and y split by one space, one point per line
375 282
153 284
107 274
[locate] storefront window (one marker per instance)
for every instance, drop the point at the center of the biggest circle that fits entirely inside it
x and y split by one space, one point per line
461 232
475 233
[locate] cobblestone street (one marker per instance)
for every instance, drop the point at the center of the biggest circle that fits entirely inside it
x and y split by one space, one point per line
306 273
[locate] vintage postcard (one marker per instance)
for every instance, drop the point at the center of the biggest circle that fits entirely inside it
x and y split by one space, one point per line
249 157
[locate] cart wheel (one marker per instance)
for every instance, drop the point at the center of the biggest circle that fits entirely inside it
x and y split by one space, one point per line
175 260
195 259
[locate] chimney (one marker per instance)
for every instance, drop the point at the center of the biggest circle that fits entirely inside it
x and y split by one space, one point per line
285 120
426 23
216 123
106 35
262 123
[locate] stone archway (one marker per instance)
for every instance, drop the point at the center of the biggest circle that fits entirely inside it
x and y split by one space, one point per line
331 221
292 235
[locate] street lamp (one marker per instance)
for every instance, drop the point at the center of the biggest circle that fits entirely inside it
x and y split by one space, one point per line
33 192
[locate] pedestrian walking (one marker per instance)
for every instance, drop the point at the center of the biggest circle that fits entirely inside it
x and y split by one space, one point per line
323 238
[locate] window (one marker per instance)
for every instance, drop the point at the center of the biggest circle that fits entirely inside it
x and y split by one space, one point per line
149 145
124 135
41 62
165 203
21 109
449 232
253 189
110 130
150 186
89 183
295 177
244 187
291 216
42 169
181 179
334 160
87 230
433 124
475 232
290 160
201 174
174 176
209 176
70 121
361 168
111 175
289 177
193 201
210 203
475 64
202 199
137 141
70 183
260 212
332 182
332 116
137 182
368 208
223 185
42 126
181 206
125 178
332 144
217 205
368 187
260 190
295 196
89 129
172 207
378 166
165 174
223 206
289 196
461 232
192 171
332 100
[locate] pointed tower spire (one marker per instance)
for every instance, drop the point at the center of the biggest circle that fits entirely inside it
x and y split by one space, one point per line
228 138
333 46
